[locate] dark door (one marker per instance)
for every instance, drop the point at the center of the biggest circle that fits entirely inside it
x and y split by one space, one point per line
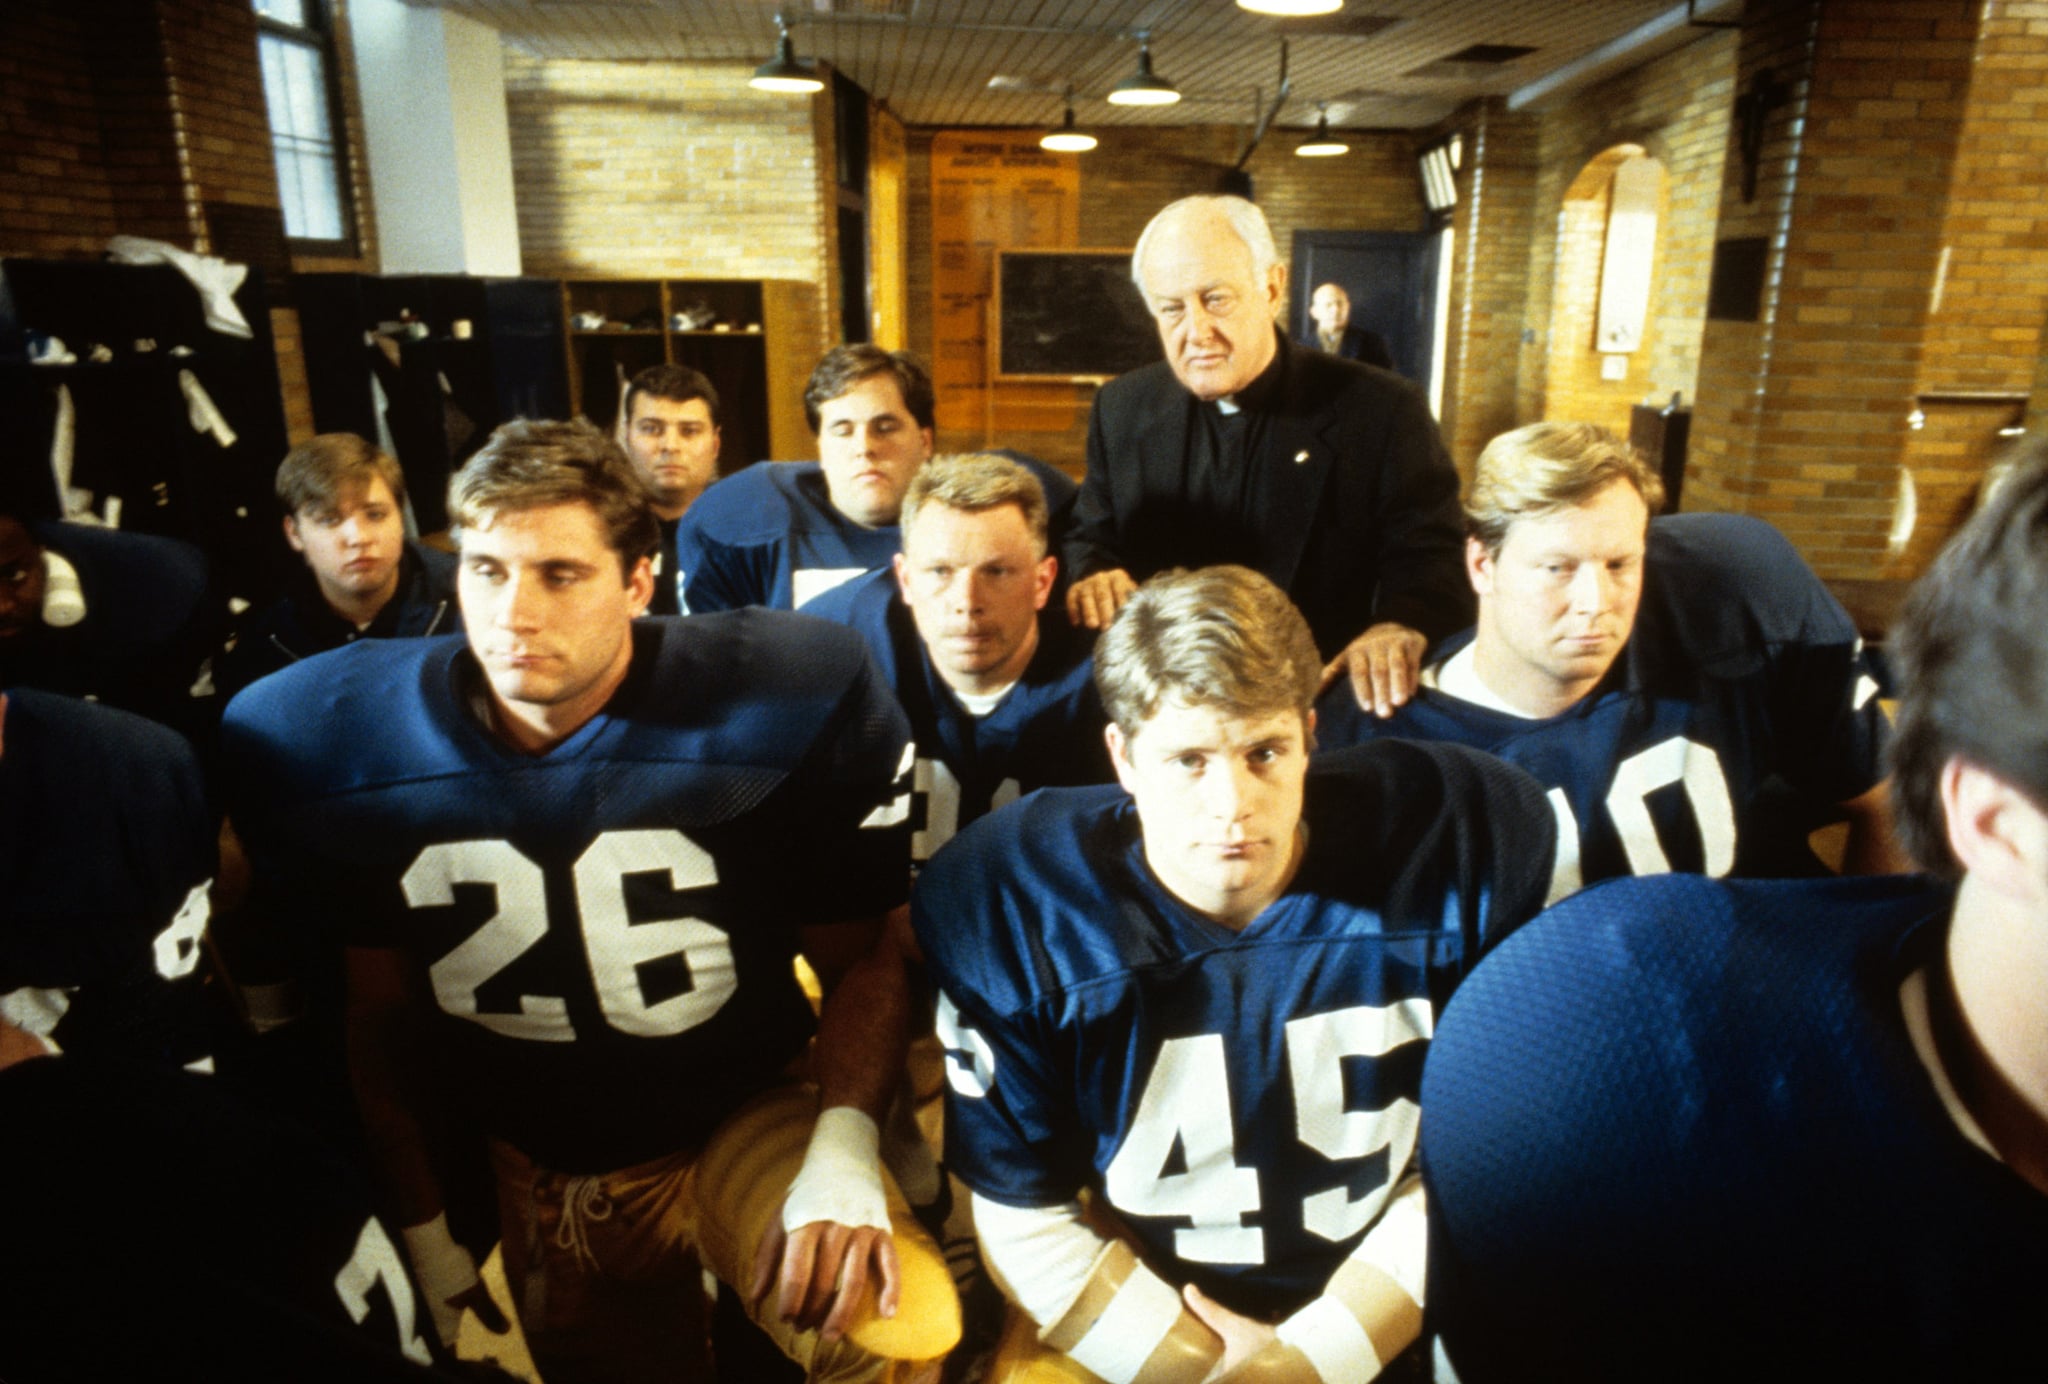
1391 278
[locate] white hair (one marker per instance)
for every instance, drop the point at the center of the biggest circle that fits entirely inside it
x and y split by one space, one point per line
1243 217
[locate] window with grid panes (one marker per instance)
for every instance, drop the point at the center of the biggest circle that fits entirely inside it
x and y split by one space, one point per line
295 43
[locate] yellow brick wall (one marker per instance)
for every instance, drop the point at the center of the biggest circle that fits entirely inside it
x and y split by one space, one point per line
678 170
1676 110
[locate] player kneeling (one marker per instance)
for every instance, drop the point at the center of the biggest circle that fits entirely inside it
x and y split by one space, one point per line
1204 996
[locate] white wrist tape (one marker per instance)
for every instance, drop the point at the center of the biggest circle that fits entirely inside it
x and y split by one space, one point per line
841 1179
1130 1327
1333 1340
446 1270
1040 1255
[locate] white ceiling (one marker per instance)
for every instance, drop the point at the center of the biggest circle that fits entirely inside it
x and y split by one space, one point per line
1378 63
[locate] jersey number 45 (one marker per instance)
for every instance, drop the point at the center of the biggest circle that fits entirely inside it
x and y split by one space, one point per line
1187 1103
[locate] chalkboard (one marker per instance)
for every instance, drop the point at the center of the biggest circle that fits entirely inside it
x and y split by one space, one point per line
1069 314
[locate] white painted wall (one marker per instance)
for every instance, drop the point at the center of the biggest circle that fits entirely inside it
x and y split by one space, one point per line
433 97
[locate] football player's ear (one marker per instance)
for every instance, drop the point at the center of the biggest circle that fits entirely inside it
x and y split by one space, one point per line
1042 580
1478 566
640 585
1997 834
1119 754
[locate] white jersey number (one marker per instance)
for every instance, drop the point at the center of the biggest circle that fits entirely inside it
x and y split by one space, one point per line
936 783
1693 766
1187 1104
177 947
376 1261
618 948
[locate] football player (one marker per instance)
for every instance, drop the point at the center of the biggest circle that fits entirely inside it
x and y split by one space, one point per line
344 513
1686 688
1202 997
779 534
196 1238
669 427
1001 699
557 855
118 618
1687 1129
106 854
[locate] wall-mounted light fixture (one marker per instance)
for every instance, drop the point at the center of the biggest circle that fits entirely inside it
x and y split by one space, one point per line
1066 138
1141 88
1320 145
1438 164
783 72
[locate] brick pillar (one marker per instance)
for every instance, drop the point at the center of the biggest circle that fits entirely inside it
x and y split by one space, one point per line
1493 227
1886 169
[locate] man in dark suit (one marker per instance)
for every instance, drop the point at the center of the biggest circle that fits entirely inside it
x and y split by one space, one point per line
1325 475
1329 309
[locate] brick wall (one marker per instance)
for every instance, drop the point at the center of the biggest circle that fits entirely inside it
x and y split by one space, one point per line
1493 228
670 169
1676 111
87 146
133 119
1735 356
55 195
1894 148
1984 337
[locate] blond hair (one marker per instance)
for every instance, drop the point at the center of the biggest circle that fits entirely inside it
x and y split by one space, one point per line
1550 466
976 481
1221 637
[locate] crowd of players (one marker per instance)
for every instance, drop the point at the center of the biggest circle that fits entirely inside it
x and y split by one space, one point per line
460 902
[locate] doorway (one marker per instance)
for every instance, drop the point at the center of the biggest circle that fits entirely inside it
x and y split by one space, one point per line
1391 279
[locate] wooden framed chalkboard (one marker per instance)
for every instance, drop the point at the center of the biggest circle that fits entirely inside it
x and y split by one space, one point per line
1069 315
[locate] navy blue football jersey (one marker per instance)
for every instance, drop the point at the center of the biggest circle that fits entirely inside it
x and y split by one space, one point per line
1046 732
159 1228
1742 709
107 849
607 928
1678 1130
1246 1101
147 628
769 536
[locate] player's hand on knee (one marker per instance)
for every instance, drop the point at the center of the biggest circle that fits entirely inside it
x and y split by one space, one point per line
1242 1336
1384 664
832 1242
1093 602
823 1272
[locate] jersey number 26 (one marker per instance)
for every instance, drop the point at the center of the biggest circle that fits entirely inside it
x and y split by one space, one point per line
617 947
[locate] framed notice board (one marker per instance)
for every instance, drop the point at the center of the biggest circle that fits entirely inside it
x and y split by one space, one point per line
1069 315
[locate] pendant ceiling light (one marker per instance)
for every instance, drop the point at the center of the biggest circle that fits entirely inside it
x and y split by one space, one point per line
1320 145
783 72
1141 88
1291 9
1066 138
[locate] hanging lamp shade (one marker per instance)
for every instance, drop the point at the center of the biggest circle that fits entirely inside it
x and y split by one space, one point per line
1320 145
1291 9
783 72
1066 137
1142 88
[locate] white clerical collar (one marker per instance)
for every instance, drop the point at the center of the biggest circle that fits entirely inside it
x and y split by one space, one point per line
1228 405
